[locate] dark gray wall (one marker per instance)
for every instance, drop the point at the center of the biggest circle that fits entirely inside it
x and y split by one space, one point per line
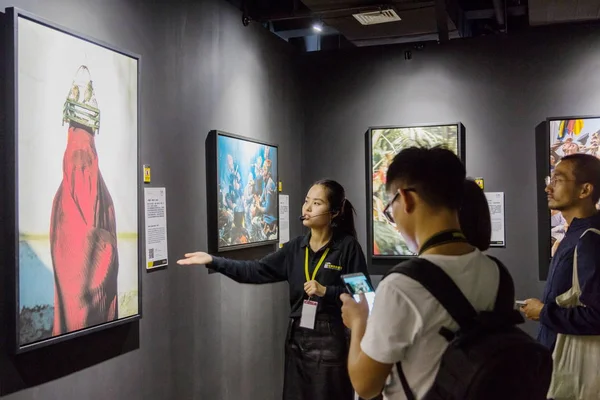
499 88
202 336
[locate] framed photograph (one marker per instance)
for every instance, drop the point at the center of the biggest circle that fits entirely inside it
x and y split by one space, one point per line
73 152
567 135
242 192
382 144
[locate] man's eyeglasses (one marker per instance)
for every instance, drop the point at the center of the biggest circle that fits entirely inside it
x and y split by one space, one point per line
387 211
551 181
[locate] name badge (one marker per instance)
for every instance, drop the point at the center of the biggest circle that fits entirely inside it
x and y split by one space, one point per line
309 314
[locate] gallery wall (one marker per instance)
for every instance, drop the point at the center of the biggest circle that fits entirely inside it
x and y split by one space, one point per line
205 337
499 87
201 336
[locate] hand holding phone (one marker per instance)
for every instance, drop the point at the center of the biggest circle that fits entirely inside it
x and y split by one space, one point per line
356 284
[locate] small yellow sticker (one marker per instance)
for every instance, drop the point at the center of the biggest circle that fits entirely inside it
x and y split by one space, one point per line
479 181
280 186
146 174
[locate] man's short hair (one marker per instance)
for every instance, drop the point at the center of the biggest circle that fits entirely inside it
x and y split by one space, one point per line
586 169
436 174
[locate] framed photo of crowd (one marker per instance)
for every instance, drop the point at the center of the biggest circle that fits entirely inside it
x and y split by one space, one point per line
385 245
242 192
72 147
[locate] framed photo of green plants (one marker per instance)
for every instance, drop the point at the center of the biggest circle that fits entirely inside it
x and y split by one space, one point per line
382 144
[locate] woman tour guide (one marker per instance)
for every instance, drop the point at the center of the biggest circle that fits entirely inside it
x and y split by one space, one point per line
316 347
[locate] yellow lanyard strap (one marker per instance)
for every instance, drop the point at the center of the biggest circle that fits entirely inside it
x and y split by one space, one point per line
316 268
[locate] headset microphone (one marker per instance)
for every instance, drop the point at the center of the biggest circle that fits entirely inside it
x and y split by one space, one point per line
303 218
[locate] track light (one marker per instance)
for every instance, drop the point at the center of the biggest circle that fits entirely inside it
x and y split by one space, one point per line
318 27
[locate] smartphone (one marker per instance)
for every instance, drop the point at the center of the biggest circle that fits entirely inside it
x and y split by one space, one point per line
358 283
520 303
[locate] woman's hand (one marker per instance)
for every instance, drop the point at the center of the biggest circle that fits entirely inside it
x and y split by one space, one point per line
314 288
197 258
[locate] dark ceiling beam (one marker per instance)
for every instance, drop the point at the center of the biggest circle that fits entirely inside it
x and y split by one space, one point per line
294 33
330 13
343 12
441 16
429 37
499 7
514 11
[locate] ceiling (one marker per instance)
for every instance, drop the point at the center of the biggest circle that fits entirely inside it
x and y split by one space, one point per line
413 20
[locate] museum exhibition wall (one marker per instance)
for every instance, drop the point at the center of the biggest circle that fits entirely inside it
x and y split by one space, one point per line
148 83
501 89
224 121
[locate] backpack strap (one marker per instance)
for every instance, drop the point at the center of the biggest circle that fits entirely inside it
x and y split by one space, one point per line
441 286
407 390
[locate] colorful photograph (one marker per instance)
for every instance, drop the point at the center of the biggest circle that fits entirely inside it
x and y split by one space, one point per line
570 136
77 178
248 195
385 144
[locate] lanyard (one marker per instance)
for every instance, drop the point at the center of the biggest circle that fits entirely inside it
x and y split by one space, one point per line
316 268
444 237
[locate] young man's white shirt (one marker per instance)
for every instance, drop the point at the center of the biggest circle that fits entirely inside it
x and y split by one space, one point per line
405 320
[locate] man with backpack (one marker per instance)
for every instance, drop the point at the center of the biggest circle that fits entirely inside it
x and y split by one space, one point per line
443 323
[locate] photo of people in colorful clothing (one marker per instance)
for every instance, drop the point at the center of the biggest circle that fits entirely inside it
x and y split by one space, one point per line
570 136
248 196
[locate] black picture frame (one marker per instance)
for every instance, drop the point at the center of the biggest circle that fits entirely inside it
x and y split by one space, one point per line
212 191
543 169
380 264
11 205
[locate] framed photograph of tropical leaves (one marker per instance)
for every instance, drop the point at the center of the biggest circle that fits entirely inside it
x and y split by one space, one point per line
382 144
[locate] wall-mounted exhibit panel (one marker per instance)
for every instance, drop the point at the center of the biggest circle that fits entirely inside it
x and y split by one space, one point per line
385 244
562 136
242 195
74 141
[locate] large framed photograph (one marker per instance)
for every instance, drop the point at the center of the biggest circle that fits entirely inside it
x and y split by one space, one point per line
568 135
73 152
382 144
242 192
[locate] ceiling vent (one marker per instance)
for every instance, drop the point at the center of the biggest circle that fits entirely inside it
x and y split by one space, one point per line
377 17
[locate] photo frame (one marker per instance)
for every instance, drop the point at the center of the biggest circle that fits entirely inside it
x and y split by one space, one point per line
242 192
385 246
557 137
73 146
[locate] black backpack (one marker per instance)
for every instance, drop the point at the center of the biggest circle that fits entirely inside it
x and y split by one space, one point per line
489 357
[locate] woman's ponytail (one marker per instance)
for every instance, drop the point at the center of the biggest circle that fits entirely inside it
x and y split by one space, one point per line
474 216
345 220
341 208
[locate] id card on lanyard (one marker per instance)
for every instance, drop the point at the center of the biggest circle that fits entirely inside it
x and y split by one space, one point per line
309 308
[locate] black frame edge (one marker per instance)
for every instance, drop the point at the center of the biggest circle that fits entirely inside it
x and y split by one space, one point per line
13 13
381 264
212 170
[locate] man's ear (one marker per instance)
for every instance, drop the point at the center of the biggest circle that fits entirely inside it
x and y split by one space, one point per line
587 189
409 200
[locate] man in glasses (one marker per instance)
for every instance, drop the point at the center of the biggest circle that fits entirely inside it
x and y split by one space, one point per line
426 189
573 190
